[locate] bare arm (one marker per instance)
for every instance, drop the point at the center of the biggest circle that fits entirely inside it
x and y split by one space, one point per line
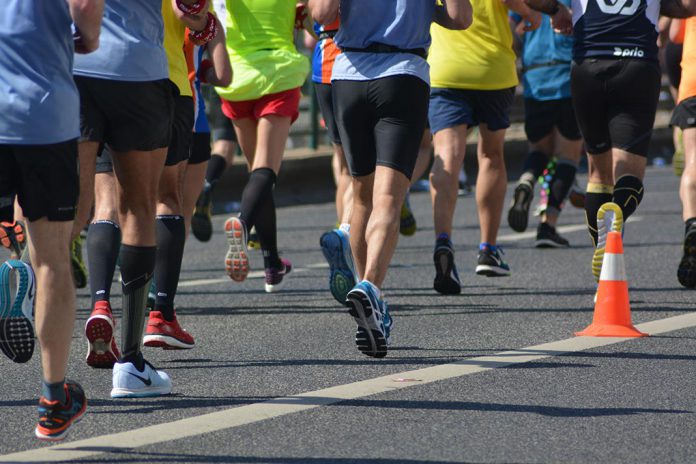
531 19
454 14
678 8
324 11
221 73
561 17
87 16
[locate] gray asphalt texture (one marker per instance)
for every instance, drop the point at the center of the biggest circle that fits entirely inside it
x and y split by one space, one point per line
630 402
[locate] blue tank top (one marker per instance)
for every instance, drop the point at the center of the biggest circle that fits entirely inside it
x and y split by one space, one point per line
615 29
130 45
38 99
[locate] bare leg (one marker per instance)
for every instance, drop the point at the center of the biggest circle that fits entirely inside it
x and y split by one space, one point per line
450 148
491 182
687 189
87 157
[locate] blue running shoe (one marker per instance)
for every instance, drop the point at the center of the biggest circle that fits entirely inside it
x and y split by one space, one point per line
17 317
55 418
490 261
372 316
336 248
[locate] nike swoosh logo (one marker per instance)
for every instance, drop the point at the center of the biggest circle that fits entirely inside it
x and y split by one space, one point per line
145 380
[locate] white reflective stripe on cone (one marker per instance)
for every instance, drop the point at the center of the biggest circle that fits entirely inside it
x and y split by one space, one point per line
613 268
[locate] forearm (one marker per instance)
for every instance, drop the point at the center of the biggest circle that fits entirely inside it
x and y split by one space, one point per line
87 16
678 8
454 14
221 73
550 7
518 6
324 11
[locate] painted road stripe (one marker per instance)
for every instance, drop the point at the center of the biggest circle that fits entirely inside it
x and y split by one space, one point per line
243 415
559 229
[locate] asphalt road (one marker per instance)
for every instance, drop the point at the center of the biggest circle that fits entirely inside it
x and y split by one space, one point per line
626 401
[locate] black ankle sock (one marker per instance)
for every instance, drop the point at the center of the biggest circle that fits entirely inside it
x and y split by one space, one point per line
216 167
596 196
54 391
628 193
560 185
535 163
137 266
689 223
103 245
171 238
256 195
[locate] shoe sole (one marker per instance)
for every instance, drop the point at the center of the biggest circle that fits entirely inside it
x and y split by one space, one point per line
491 271
518 216
341 278
142 393
237 258
444 265
166 342
274 288
201 227
14 239
616 226
548 243
99 331
60 436
686 272
16 330
368 338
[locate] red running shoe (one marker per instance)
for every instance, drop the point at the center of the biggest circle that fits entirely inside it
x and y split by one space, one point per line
102 350
12 237
169 335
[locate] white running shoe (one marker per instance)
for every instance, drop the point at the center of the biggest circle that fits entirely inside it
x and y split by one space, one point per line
129 382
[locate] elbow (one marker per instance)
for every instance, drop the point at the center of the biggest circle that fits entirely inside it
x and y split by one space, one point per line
225 79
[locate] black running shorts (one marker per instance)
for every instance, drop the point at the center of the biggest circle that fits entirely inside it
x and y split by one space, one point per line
684 115
325 100
44 179
182 131
126 115
542 116
381 122
200 148
222 127
615 103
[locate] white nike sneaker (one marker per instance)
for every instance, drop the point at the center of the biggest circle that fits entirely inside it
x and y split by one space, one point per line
129 382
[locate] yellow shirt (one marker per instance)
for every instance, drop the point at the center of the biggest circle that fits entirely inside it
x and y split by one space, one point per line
478 58
174 35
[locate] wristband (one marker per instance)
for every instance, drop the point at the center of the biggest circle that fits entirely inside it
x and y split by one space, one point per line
203 70
207 34
191 9
300 15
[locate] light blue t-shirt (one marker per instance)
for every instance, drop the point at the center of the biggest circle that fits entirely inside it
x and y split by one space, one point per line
404 24
39 103
130 45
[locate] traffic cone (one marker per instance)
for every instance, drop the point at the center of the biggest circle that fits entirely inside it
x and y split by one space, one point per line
612 314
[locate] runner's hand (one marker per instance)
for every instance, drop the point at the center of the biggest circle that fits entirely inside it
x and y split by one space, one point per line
562 21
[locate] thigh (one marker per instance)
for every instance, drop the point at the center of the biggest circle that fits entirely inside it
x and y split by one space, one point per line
402 110
356 122
271 137
325 100
246 135
182 131
589 102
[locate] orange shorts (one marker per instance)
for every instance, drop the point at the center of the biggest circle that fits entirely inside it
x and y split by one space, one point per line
284 103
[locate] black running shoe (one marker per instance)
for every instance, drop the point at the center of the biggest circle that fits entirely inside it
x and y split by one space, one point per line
446 276
56 418
201 225
547 237
686 273
518 215
490 262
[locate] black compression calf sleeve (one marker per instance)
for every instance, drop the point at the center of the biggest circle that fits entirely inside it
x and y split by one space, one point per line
171 238
596 196
560 185
256 194
137 266
103 245
628 193
534 165
216 167
267 233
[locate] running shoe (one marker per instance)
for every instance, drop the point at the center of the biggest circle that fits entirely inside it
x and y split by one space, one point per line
609 219
201 224
686 273
464 189
78 264
490 261
161 333
129 382
372 316
102 351
17 317
13 237
253 241
548 237
446 276
576 195
408 225
335 245
518 215
56 418
237 258
275 277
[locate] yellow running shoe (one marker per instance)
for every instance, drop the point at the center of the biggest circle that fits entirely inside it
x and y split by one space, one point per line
408 225
254 243
609 219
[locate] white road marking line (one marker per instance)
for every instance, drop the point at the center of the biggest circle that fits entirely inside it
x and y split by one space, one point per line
560 229
243 415
252 276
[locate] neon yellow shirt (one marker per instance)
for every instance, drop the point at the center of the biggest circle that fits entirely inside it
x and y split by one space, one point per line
174 35
264 59
478 58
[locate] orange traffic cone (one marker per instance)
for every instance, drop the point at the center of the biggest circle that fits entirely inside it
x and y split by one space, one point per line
612 314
